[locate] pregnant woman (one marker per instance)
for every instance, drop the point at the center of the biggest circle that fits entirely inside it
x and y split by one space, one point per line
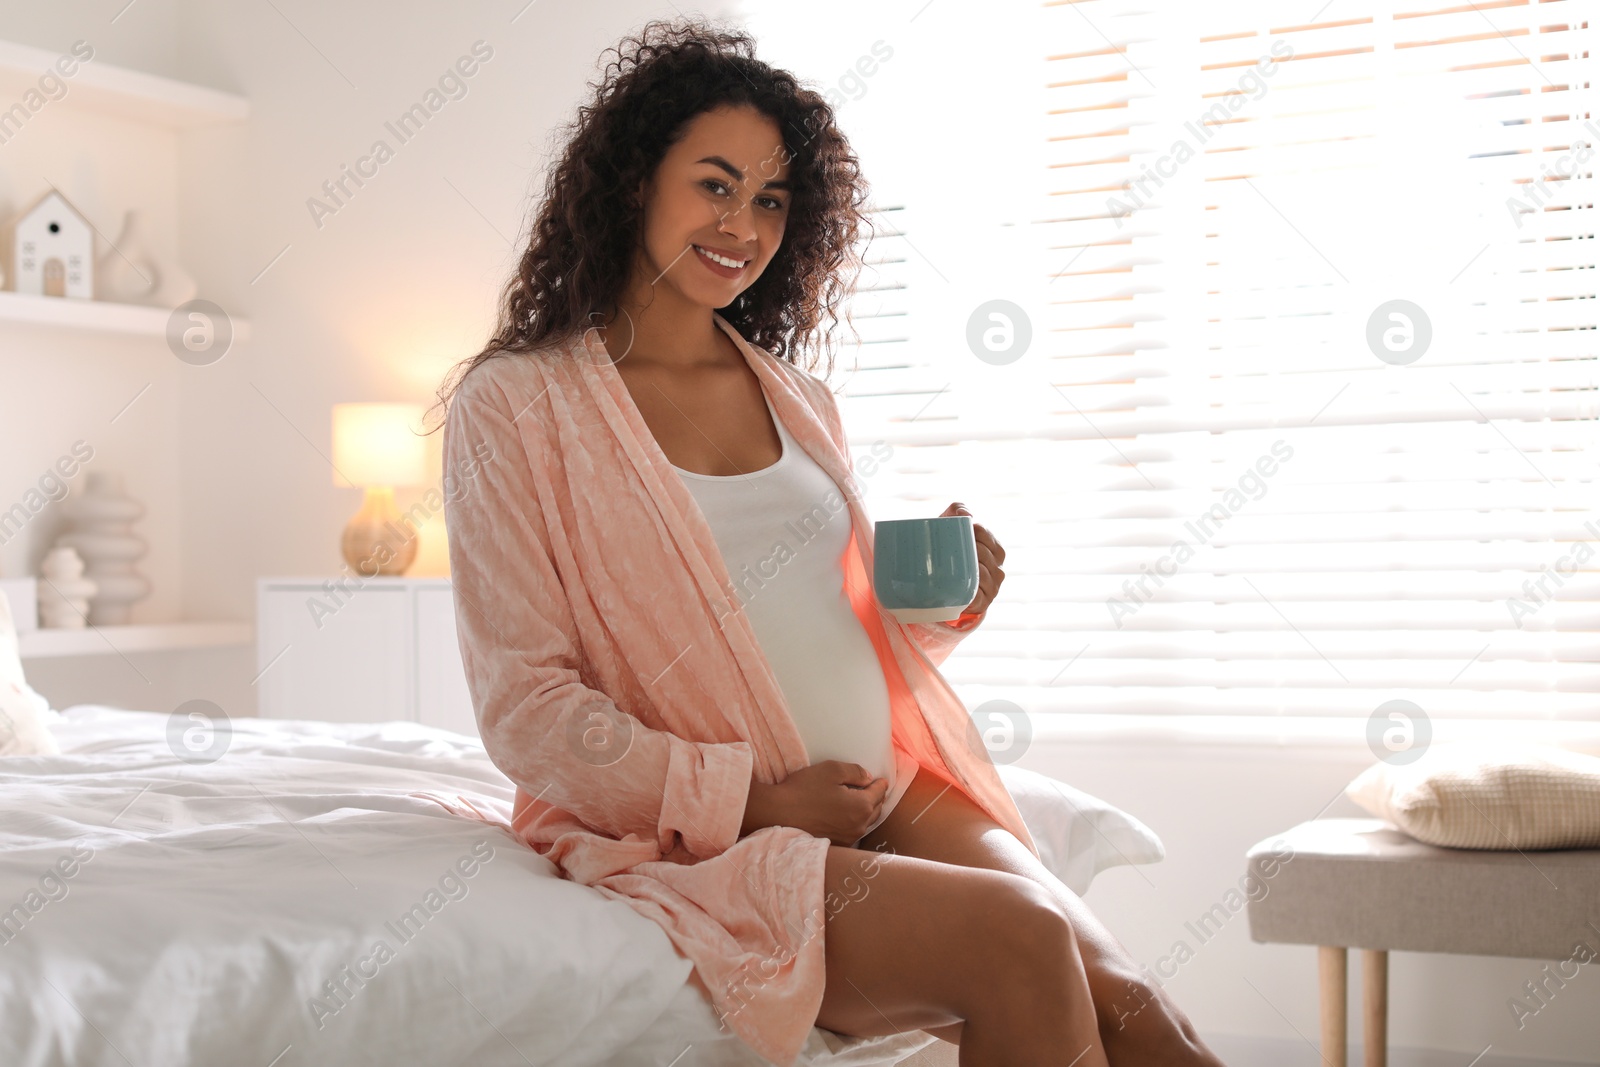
660 563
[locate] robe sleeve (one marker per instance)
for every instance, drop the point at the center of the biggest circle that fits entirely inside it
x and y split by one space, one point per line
936 639
939 639
558 739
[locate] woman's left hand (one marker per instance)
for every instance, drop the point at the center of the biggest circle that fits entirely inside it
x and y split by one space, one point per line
990 556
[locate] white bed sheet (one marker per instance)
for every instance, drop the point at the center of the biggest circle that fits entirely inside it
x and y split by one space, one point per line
214 906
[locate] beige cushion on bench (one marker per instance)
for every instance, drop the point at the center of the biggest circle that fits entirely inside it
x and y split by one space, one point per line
1495 795
1363 883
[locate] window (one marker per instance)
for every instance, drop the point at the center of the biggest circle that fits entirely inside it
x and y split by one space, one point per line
1308 417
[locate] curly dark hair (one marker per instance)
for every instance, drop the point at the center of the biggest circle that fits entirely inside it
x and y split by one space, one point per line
583 243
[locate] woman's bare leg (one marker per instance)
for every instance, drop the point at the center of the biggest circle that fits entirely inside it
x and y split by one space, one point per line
913 943
1140 1025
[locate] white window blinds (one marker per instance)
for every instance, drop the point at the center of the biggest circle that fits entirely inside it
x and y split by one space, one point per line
1308 418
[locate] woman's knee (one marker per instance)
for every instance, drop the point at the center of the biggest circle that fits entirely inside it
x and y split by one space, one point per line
1035 930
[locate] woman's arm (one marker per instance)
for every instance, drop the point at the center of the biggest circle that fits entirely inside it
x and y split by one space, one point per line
937 639
558 739
757 809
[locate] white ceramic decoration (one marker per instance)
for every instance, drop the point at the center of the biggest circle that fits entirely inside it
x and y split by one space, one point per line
176 287
127 274
52 250
63 590
101 530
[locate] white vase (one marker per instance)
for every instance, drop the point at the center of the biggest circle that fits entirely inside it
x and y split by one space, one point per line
176 287
101 530
63 590
126 272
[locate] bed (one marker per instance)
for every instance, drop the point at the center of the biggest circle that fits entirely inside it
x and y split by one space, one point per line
281 892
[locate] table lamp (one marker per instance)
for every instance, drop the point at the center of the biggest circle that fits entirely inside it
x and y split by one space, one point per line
375 447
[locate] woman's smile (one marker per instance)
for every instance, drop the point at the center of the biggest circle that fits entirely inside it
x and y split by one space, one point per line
722 263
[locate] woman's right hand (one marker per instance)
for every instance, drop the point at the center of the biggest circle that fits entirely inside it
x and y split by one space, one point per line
831 799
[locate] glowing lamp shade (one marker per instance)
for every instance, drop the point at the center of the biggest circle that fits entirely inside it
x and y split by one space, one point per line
378 447
377 444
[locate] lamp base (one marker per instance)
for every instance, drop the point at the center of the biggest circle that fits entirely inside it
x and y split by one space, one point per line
376 542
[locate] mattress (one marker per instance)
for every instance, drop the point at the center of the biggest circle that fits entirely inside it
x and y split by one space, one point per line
320 893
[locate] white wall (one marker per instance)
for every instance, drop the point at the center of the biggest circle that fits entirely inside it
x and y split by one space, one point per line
378 302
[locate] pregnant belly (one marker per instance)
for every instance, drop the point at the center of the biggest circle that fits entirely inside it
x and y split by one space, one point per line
837 696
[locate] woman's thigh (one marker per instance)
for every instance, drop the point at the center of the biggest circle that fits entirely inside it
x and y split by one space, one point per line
913 943
936 820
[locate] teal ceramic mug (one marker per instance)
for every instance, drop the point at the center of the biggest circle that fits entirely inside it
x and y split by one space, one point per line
925 570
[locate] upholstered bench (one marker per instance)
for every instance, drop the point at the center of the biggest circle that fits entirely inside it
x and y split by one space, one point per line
1362 883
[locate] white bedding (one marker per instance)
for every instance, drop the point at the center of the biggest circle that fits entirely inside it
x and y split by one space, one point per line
211 907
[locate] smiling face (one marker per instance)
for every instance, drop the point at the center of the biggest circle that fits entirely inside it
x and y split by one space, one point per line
721 189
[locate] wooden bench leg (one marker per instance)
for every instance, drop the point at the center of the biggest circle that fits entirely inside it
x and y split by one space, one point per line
1375 996
1332 973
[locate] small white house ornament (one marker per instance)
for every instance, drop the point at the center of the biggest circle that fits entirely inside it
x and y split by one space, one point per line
53 250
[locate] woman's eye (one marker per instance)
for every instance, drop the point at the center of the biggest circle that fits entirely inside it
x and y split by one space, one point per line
777 205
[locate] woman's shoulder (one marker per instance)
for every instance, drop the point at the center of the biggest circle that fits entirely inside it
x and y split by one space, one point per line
818 388
508 379
816 391
813 391
813 388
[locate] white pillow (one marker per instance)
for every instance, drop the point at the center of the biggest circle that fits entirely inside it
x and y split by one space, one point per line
24 714
1078 835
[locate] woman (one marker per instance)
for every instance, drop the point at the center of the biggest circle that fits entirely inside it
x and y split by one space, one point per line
714 725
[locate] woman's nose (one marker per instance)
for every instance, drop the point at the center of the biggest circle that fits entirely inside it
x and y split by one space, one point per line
736 222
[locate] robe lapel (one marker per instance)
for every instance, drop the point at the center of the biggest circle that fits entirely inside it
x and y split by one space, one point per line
778 747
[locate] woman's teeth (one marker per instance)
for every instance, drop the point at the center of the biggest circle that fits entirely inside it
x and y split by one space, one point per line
732 264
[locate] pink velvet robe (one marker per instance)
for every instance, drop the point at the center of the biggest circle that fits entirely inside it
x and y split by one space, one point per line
621 688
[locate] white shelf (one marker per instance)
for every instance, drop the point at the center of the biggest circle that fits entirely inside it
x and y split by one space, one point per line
153 637
108 90
139 320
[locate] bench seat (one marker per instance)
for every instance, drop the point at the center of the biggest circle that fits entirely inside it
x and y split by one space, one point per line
1363 883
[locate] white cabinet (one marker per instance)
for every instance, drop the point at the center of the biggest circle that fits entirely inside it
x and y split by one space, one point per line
442 695
361 650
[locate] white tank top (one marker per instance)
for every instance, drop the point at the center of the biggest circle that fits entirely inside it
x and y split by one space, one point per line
782 532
